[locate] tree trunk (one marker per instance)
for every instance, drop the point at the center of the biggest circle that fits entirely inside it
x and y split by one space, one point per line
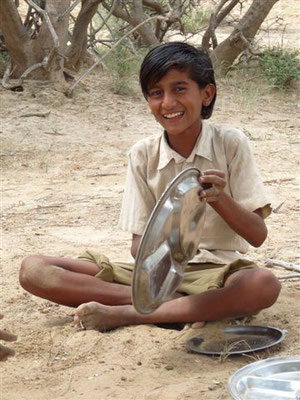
26 52
227 51
16 37
45 41
135 18
77 50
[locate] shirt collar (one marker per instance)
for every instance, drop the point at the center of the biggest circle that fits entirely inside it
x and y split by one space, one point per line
202 148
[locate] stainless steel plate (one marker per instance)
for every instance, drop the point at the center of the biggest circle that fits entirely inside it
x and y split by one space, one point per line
275 378
170 240
236 340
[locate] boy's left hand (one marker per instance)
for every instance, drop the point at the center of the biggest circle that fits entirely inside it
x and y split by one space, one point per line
216 179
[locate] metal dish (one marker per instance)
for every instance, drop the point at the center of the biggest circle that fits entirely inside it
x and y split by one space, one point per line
170 240
275 378
236 340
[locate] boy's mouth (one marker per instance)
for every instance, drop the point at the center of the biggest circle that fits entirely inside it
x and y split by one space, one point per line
173 115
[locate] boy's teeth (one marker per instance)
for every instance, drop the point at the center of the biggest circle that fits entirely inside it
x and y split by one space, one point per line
173 115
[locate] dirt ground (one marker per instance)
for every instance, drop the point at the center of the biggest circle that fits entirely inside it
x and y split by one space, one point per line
62 183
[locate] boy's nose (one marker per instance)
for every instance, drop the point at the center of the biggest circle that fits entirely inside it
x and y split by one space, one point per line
168 101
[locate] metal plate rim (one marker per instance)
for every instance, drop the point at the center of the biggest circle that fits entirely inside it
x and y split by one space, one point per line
161 200
250 368
178 178
257 328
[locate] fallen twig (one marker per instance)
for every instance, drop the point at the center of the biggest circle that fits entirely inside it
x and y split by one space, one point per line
279 180
284 264
275 210
97 175
69 384
36 114
48 206
291 276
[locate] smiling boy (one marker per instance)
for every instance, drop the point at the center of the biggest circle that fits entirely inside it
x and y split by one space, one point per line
178 83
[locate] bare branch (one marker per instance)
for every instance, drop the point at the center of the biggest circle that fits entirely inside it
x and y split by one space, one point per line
68 10
115 45
222 14
104 21
79 39
47 20
157 7
270 262
118 11
6 75
228 50
290 276
216 18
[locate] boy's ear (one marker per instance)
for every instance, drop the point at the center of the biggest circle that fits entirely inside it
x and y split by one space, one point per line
208 94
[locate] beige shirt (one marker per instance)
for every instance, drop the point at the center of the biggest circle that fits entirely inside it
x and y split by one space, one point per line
153 164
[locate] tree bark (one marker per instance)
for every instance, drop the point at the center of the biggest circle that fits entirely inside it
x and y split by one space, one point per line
16 37
135 18
227 51
146 32
45 41
77 50
215 19
26 52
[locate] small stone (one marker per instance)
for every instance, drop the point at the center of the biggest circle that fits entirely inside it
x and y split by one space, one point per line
169 367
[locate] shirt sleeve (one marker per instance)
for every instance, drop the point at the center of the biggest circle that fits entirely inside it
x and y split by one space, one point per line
246 184
138 200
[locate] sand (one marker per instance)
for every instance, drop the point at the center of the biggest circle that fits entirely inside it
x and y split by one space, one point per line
62 183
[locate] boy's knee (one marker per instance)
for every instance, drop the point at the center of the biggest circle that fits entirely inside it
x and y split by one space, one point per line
266 287
30 268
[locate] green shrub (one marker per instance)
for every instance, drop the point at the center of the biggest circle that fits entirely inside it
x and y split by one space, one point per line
280 67
195 20
122 65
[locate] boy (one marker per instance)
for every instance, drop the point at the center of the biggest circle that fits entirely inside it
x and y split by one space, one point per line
178 82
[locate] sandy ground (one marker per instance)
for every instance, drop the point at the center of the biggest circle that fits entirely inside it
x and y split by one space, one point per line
62 183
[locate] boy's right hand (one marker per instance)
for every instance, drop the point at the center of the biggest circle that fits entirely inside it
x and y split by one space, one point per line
213 182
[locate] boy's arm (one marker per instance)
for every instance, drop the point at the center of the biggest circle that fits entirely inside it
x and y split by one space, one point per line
250 225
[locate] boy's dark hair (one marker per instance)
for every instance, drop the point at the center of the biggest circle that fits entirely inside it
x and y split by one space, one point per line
180 56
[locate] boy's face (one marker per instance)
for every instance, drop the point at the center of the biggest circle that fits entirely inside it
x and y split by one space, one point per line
176 102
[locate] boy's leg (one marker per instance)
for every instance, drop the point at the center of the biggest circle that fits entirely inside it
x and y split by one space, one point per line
244 293
69 282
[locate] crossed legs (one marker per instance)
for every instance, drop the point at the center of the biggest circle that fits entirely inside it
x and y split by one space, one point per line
69 282
104 306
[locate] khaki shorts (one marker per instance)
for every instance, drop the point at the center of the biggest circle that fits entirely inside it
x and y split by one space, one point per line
197 277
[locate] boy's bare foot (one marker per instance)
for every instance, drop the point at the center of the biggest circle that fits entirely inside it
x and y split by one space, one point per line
98 316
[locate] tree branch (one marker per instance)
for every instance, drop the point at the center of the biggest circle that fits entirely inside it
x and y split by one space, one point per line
115 45
270 262
47 20
216 18
154 5
79 38
15 34
227 51
68 10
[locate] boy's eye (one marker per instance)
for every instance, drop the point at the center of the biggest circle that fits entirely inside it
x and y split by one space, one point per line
179 89
155 92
